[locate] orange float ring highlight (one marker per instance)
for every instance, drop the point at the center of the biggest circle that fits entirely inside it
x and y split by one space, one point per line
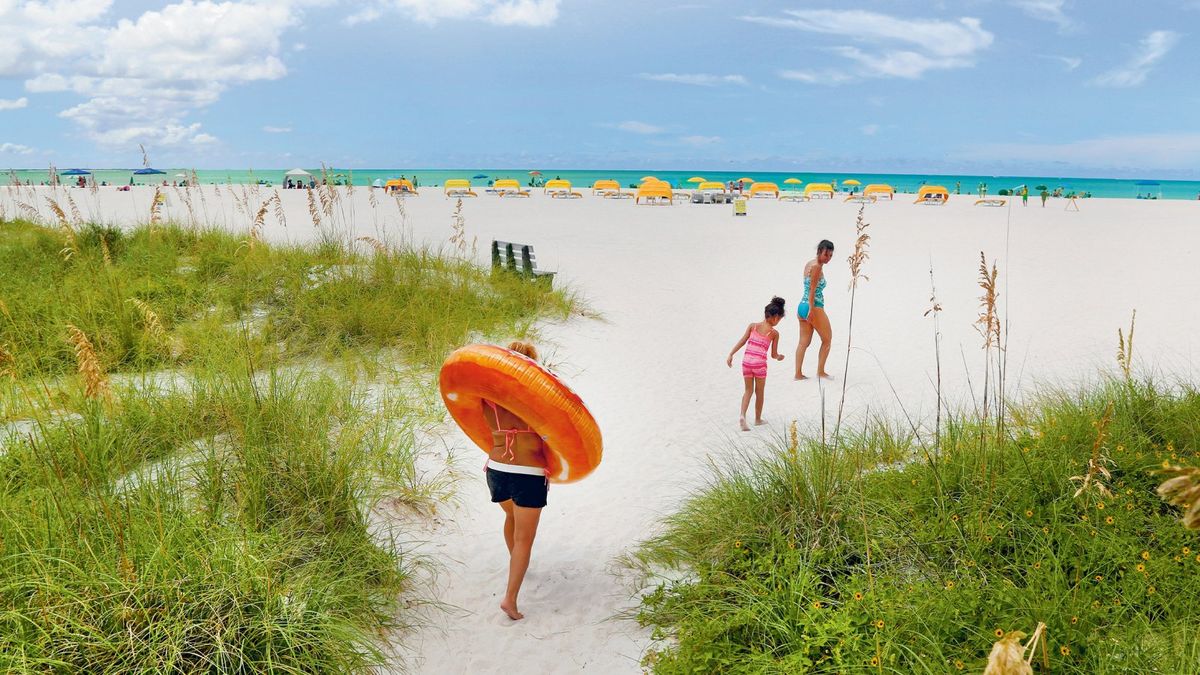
476 373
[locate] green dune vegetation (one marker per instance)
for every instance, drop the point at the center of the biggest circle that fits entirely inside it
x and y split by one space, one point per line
195 428
1029 537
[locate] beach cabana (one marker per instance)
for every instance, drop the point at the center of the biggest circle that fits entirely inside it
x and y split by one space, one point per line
764 190
1151 186
606 188
654 191
560 189
400 185
818 191
458 187
932 194
508 187
299 176
879 191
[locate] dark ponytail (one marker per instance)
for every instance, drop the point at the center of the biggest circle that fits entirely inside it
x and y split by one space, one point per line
774 308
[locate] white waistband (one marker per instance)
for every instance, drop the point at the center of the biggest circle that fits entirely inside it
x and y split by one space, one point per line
516 468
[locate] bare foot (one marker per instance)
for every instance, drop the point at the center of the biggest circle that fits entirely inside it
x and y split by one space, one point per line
759 422
742 423
510 608
801 376
825 376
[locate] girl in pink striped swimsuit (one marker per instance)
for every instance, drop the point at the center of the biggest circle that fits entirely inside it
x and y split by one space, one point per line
757 338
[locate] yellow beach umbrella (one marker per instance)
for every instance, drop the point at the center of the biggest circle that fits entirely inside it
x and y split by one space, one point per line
851 182
792 181
745 180
646 178
696 179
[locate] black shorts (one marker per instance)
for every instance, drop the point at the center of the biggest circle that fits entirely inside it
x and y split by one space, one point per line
524 490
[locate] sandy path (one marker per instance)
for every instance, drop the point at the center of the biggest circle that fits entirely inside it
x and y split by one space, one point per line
676 286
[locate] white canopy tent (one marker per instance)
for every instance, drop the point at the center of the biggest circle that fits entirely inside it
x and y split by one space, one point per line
301 176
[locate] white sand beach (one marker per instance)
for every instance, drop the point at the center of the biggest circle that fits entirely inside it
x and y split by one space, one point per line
675 286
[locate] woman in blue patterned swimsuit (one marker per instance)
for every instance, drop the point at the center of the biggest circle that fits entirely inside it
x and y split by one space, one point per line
811 311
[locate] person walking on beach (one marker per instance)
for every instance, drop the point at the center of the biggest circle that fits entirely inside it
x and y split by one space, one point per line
756 339
811 311
1045 195
516 478
1024 195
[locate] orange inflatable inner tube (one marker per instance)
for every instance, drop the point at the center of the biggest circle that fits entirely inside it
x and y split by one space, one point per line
476 373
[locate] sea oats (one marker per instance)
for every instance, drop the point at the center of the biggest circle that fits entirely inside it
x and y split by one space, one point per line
95 382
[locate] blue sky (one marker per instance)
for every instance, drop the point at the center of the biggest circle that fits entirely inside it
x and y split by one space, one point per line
1054 87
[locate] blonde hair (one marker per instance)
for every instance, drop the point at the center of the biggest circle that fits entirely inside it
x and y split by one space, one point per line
524 348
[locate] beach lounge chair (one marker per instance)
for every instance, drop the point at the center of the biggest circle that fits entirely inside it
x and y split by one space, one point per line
518 259
458 187
656 192
990 202
764 190
818 191
860 199
560 189
933 194
711 192
509 187
880 191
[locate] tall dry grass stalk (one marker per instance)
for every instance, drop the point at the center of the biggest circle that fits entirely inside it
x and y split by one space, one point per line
458 229
76 216
280 216
935 308
379 246
105 253
1125 349
1010 657
988 322
1097 471
58 213
151 321
95 382
155 206
30 211
1182 489
313 211
861 243
8 362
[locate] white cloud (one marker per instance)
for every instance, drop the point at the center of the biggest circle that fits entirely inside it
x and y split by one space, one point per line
142 78
815 77
1070 63
276 130
870 129
697 79
1148 151
1150 51
15 149
1047 10
890 46
524 13
700 140
13 104
638 127
534 13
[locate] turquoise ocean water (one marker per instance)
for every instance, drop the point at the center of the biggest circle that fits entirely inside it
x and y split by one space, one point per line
1098 187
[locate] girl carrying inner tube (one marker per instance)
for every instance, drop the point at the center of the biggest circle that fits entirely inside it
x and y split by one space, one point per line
516 477
811 311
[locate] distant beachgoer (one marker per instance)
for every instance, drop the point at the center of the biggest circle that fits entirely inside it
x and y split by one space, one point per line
811 311
516 478
983 189
416 183
958 187
756 339
1024 195
1045 195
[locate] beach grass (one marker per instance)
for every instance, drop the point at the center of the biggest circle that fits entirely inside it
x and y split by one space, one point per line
164 295
892 552
195 431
